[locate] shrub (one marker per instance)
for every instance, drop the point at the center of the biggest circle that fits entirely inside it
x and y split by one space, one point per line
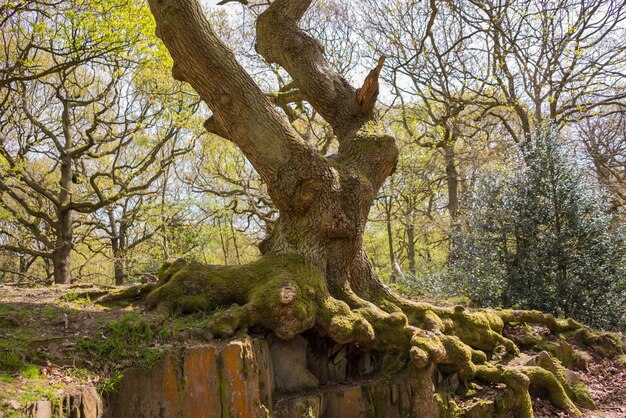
543 239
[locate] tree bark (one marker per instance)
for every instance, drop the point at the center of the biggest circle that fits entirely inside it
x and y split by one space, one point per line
119 269
410 247
452 181
323 201
393 263
61 253
119 261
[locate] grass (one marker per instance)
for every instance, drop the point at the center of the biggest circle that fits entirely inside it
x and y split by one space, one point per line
134 340
29 387
30 371
51 313
110 384
11 362
78 373
33 334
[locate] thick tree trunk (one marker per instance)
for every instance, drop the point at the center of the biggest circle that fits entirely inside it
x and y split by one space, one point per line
393 263
120 271
61 253
25 262
452 180
119 245
164 221
119 265
323 202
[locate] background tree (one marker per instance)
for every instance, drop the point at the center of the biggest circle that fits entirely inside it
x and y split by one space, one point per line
468 78
67 133
120 228
438 83
556 61
604 139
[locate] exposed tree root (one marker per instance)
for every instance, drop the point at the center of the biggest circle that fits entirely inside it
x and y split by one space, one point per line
282 294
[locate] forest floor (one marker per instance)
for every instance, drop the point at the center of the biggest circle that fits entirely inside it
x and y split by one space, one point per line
606 381
55 338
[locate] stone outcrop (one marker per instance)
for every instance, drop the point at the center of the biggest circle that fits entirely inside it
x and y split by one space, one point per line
213 381
85 403
258 378
381 398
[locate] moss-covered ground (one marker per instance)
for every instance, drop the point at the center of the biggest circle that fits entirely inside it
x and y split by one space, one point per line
56 338
282 294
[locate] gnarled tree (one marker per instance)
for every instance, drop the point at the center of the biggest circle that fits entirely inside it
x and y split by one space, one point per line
314 272
323 201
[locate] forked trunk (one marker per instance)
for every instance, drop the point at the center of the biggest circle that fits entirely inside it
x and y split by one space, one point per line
323 200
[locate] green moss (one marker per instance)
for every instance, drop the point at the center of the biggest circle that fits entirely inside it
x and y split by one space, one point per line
449 408
480 330
426 349
280 293
539 318
168 269
391 331
479 357
433 322
517 398
195 286
547 381
607 344
342 324
574 389
460 356
224 323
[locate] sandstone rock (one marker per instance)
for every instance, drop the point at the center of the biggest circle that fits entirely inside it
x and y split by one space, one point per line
266 370
289 363
149 393
240 381
201 383
346 403
301 407
40 409
91 405
213 380
380 398
480 409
